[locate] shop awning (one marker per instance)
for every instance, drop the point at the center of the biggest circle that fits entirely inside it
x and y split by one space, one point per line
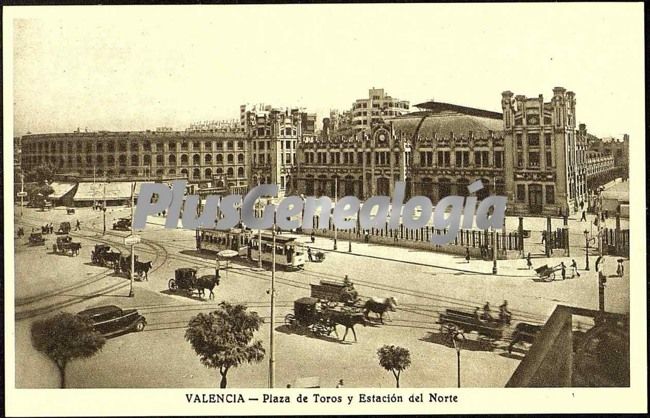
120 190
60 189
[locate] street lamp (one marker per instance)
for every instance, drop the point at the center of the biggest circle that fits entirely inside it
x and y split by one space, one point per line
458 339
586 249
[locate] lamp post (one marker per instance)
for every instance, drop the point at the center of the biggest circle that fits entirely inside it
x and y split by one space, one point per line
586 250
458 339
272 319
131 294
22 193
104 210
336 194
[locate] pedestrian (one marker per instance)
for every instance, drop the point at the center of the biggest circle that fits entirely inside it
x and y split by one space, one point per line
366 237
78 226
487 316
340 384
312 237
599 260
619 268
584 216
582 205
467 254
563 270
288 385
602 217
528 262
574 268
309 254
395 236
217 267
504 314
543 237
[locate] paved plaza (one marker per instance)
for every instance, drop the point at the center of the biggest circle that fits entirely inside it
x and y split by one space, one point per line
424 284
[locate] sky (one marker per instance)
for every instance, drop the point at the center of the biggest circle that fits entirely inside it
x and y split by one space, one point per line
135 68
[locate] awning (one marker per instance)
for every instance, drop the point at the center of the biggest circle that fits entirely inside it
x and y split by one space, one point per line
120 190
60 189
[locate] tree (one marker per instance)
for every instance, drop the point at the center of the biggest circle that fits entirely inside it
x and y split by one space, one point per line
394 359
223 339
41 173
38 193
66 337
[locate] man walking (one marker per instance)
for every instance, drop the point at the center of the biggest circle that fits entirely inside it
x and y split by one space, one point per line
528 262
574 268
584 216
467 254
563 270
78 226
309 255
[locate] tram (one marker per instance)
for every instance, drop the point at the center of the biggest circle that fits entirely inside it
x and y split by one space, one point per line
214 240
289 253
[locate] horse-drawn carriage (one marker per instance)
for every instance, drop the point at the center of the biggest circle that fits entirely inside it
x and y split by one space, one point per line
321 317
64 228
185 279
97 255
489 330
36 238
64 245
343 292
122 224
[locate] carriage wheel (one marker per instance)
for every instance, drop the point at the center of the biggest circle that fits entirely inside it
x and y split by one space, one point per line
172 285
551 276
290 319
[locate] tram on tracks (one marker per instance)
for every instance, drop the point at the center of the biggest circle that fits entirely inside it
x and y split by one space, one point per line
214 240
289 253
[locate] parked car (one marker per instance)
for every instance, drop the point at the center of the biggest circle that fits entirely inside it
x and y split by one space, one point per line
123 224
112 320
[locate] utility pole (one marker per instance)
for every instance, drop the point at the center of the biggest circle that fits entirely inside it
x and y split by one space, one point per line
336 195
494 241
104 210
272 321
133 244
259 231
22 193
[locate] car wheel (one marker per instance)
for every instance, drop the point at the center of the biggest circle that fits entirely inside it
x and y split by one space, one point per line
139 327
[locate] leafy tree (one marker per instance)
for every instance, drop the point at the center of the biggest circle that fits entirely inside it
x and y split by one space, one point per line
394 359
223 339
41 173
38 192
66 337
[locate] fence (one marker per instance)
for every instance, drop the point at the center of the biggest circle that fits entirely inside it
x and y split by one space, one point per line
478 242
616 242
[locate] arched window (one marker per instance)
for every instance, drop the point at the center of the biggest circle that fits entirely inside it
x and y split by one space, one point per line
122 159
172 172
240 158
219 170
208 159
196 174
100 159
231 159
160 172
208 173
110 173
184 172
219 159
172 159
196 159
122 172
184 159
134 160
230 172
146 159
134 172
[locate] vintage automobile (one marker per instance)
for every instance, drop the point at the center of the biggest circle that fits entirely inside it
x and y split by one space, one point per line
97 255
122 224
65 245
111 320
64 228
36 238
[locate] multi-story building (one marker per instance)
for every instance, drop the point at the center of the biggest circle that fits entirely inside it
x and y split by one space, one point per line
545 164
530 153
616 148
204 158
374 109
272 134
437 152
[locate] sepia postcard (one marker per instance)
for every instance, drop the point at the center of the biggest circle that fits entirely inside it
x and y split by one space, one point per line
324 209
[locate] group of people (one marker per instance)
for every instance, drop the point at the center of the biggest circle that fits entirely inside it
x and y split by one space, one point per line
47 229
505 316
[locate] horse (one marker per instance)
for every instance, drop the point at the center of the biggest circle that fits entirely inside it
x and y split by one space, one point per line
74 248
143 267
379 306
348 320
523 333
206 282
